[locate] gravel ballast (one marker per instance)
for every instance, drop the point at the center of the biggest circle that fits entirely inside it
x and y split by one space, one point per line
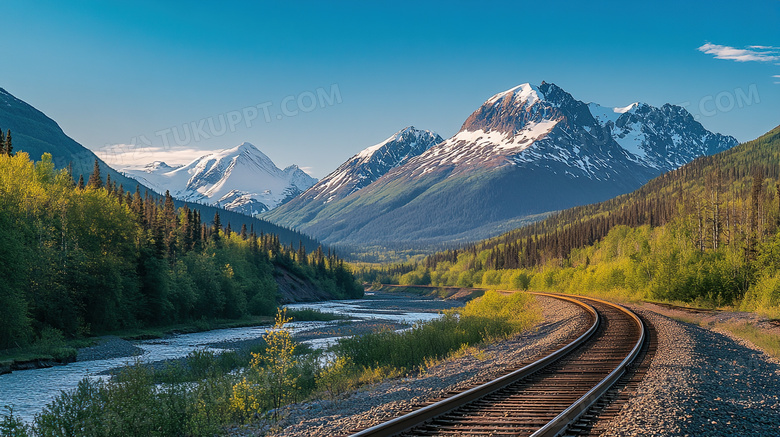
380 402
702 383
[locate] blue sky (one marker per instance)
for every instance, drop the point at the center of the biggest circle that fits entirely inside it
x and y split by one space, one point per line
122 77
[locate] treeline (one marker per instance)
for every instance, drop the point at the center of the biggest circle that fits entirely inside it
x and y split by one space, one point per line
709 223
86 258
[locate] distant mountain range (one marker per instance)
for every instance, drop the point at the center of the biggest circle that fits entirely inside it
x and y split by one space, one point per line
36 134
242 179
525 152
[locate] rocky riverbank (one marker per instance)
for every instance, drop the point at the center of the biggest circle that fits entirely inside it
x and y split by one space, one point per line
108 347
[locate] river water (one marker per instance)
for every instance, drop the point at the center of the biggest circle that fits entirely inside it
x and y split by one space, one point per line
28 391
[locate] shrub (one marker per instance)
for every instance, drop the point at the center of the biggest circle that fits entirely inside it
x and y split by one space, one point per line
271 379
11 425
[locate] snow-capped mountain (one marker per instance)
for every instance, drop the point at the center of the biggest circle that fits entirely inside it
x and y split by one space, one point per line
524 152
360 171
664 138
242 179
372 163
545 126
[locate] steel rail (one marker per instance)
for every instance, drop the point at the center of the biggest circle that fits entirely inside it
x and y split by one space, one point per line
562 421
416 417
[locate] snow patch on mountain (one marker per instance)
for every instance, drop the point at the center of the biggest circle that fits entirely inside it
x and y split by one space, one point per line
522 94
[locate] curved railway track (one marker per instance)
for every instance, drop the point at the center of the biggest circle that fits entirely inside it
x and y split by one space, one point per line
543 398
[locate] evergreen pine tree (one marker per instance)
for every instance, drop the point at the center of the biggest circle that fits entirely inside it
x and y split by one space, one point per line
2 142
137 204
302 258
95 180
217 227
9 148
170 211
70 173
81 182
186 228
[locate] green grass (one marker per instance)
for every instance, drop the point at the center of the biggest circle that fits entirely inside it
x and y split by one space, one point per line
768 342
430 291
50 346
491 317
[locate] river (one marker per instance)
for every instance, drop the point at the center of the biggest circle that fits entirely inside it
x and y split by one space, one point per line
28 391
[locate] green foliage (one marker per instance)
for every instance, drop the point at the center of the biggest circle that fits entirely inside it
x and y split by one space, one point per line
337 377
130 404
11 425
204 395
85 261
51 343
272 378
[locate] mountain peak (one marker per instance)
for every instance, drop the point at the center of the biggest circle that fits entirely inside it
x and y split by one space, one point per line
521 94
246 147
522 113
409 133
628 108
159 166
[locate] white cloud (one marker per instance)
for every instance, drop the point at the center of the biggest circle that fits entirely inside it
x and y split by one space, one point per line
308 170
752 53
129 156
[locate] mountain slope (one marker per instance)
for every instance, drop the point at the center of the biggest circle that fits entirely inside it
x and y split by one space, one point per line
525 152
707 232
35 133
357 173
242 179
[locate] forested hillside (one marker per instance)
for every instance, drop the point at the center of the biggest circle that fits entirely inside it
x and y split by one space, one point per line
86 258
706 232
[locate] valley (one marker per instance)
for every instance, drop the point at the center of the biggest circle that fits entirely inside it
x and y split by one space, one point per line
287 219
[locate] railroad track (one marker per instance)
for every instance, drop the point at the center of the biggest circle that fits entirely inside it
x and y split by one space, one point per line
543 398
